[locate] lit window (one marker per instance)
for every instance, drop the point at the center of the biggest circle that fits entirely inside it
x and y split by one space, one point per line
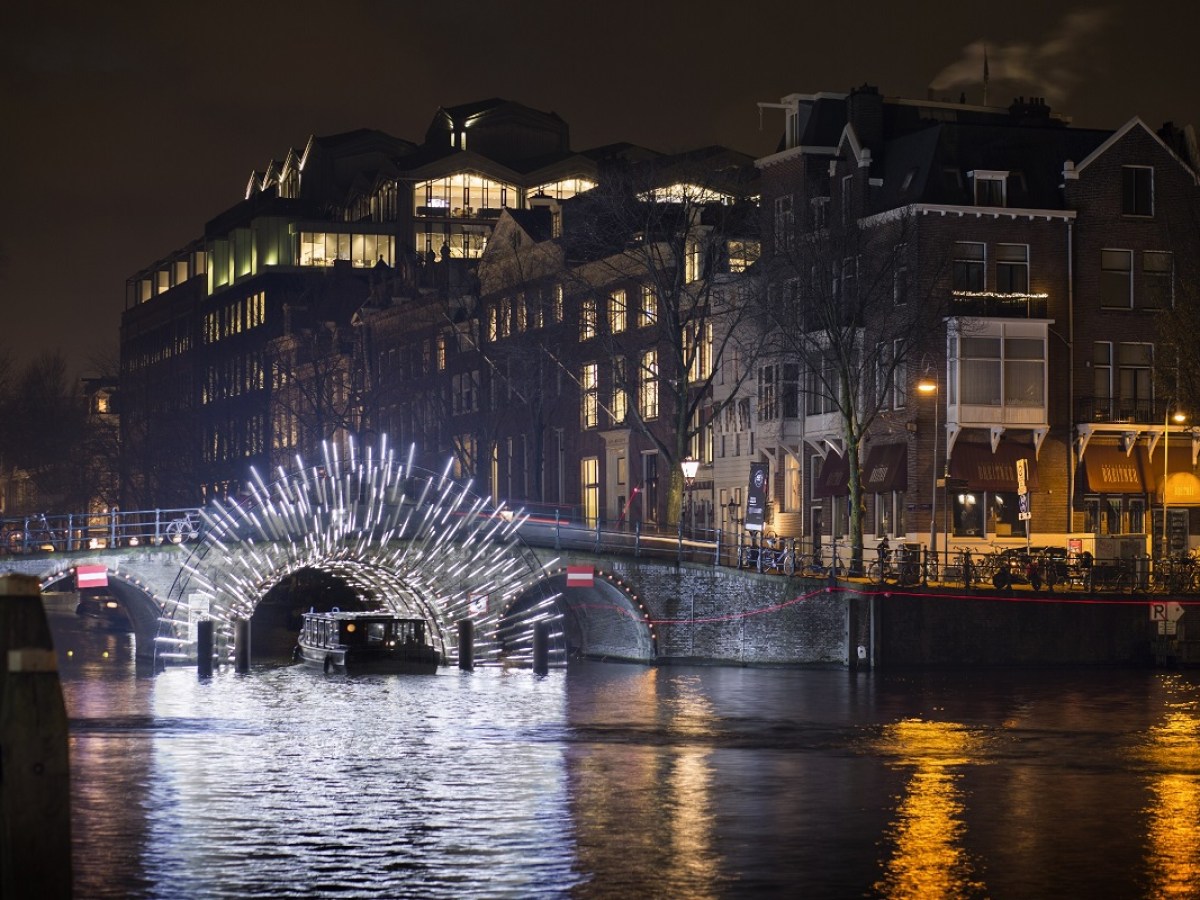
587 319
620 397
648 385
589 386
648 310
616 312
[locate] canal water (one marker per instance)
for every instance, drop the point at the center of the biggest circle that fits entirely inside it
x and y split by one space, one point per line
623 781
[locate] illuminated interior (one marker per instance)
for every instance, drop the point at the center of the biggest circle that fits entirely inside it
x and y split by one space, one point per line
463 195
323 248
685 192
562 190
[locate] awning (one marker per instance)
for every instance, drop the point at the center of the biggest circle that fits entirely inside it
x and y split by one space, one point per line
1110 471
1183 486
834 480
987 471
886 469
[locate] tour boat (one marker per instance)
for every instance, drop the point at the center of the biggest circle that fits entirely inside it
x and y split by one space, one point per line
355 642
103 611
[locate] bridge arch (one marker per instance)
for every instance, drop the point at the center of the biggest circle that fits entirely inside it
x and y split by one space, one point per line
416 542
141 604
600 619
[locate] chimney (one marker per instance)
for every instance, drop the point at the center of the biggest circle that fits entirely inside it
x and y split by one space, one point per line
864 111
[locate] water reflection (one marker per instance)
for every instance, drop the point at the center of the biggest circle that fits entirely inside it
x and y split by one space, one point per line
928 858
622 781
1172 750
641 786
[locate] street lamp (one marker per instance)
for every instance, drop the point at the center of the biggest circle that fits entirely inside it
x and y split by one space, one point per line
929 385
690 467
1179 418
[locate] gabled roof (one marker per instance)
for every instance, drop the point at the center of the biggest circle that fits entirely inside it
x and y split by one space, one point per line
1119 134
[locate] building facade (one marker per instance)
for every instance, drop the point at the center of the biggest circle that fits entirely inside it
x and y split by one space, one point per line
1042 257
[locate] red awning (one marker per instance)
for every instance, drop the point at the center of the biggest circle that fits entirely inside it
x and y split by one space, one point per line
834 480
988 471
886 469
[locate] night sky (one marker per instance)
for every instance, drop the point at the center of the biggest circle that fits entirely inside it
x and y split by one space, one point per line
128 125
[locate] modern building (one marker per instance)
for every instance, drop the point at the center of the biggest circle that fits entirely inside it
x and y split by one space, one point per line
301 252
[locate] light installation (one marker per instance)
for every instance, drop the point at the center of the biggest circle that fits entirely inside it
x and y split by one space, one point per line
417 543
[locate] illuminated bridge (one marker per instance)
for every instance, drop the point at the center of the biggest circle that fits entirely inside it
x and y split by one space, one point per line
373 530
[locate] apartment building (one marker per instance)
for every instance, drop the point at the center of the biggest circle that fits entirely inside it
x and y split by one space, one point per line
1014 266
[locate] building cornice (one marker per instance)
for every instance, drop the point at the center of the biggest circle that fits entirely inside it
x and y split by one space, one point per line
791 153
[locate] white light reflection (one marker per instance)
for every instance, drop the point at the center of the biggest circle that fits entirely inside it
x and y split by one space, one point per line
419 542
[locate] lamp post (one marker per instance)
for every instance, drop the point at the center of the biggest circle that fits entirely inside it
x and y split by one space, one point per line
929 385
690 467
1179 417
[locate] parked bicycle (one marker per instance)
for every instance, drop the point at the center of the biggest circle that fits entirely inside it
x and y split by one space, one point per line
778 555
184 528
814 565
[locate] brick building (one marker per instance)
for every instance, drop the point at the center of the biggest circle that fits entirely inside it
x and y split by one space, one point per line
1016 265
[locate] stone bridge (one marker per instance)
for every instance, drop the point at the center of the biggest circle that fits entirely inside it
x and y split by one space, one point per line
378 532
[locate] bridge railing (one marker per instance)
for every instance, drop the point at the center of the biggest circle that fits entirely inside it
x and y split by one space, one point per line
44 533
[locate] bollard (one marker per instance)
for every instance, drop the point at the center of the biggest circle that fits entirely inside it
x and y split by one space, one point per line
204 648
541 648
466 645
241 645
35 790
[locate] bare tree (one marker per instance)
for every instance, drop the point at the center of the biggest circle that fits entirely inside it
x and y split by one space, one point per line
44 435
845 306
656 260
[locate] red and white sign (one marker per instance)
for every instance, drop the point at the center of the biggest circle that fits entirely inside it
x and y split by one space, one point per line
91 577
580 576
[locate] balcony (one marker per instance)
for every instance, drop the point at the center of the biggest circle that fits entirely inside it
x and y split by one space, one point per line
1118 411
989 305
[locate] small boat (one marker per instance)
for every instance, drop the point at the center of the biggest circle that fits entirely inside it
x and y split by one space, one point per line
103 611
356 642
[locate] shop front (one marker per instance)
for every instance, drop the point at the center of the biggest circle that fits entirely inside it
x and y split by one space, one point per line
984 501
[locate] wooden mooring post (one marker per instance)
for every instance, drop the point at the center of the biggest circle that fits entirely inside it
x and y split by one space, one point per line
35 776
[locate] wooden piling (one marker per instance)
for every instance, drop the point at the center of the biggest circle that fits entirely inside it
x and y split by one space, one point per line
204 648
35 787
241 645
466 645
541 648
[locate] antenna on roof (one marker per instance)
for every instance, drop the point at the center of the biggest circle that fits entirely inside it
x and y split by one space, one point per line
985 75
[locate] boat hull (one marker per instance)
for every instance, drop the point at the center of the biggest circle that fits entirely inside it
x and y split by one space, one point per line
421 660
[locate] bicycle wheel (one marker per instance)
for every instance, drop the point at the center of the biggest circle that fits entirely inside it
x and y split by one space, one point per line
875 573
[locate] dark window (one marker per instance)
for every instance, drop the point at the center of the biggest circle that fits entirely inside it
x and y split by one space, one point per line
1137 191
1116 279
969 266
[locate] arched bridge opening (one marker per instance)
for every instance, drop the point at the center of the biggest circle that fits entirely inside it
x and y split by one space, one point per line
371 530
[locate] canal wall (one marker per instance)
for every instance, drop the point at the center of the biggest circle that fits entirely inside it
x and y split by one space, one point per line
913 629
729 616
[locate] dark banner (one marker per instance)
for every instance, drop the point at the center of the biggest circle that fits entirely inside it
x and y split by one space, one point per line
756 497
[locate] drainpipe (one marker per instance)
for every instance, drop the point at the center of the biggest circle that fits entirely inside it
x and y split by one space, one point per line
1070 373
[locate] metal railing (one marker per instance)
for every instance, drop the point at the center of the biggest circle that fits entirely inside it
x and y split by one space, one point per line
45 533
564 529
